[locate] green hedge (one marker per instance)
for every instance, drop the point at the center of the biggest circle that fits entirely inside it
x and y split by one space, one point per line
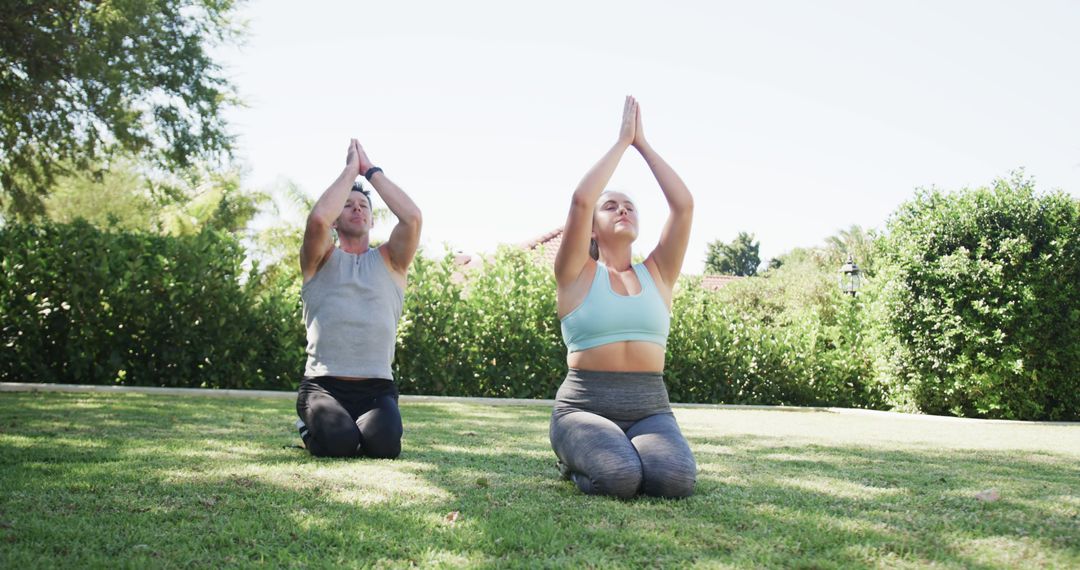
493 331
490 331
974 310
90 306
787 337
983 301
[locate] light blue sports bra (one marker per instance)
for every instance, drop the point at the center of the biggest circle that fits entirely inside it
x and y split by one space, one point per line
605 316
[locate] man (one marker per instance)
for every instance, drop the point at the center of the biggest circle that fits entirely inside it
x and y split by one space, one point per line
353 296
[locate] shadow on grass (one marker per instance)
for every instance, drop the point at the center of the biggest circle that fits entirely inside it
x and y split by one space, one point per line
90 479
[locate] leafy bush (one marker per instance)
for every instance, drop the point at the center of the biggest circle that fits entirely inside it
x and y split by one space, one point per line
94 306
433 329
974 310
983 299
785 337
492 331
90 306
277 335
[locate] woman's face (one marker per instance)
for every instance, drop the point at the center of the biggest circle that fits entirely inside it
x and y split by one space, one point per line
615 215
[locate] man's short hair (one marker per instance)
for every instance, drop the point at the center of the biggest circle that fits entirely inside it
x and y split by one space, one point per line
359 187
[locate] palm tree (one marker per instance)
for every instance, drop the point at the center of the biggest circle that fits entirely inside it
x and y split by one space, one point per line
857 242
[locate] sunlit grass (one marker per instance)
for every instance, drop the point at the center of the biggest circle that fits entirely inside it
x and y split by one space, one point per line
136 480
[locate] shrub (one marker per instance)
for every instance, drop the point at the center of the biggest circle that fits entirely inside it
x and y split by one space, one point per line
492 331
429 357
102 307
90 306
785 337
983 300
973 311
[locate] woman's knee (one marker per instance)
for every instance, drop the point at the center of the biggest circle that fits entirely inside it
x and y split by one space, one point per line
617 477
667 462
598 455
671 477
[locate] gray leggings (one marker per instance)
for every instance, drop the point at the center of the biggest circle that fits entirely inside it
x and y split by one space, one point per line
614 434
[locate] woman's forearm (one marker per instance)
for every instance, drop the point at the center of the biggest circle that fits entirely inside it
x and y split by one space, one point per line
678 195
596 179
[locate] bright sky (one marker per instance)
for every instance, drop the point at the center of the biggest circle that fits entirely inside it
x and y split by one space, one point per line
788 119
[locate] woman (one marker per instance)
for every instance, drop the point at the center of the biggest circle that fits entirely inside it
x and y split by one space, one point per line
612 427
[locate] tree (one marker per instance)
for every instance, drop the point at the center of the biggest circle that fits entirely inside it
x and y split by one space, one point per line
81 80
740 257
118 199
857 242
124 198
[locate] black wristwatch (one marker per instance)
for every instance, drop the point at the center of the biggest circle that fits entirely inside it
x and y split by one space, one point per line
371 172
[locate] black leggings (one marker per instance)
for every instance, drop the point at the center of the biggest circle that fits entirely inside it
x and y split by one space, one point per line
348 418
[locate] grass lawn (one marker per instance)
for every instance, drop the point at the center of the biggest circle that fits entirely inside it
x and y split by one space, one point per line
90 480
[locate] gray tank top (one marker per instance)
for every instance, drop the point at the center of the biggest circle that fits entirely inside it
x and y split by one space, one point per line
351 310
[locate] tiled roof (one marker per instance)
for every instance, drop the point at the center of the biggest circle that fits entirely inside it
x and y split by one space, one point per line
714 282
546 246
464 263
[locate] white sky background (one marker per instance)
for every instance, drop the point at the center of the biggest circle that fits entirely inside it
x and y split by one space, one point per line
791 120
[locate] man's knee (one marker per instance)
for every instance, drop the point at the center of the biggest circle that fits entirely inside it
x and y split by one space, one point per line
382 438
335 442
384 448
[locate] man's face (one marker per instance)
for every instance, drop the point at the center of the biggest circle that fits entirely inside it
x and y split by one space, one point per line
355 217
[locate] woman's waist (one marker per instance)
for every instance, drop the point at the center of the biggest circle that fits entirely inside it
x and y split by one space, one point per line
613 394
621 356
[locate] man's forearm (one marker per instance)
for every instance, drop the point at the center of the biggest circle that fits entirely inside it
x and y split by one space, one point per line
329 205
396 199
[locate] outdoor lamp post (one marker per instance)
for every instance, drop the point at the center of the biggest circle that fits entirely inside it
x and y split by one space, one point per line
849 277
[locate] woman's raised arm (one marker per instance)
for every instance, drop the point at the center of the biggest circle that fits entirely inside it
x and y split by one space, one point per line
671 250
574 250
